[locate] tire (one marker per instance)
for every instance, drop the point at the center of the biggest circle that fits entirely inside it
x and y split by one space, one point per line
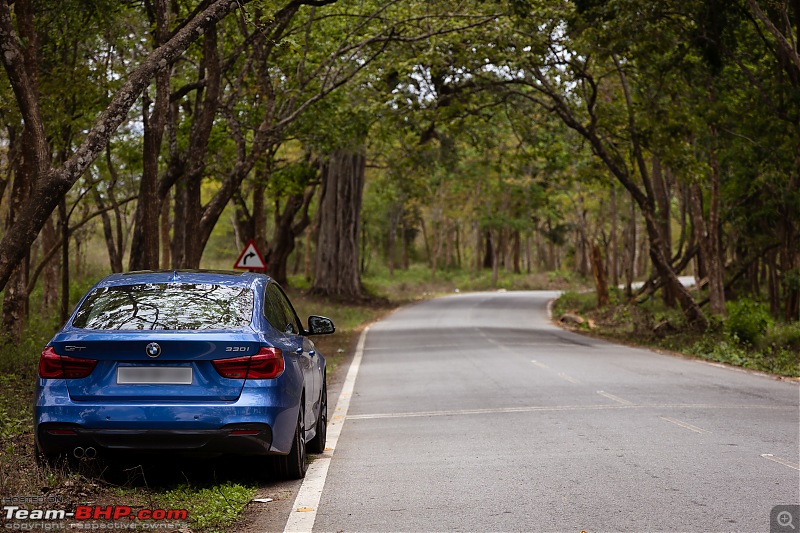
317 444
295 463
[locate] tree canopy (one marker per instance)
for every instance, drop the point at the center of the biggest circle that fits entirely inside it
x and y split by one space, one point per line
633 139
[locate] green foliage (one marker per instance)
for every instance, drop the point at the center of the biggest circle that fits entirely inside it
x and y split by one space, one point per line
15 419
777 360
211 509
784 335
778 351
747 322
574 302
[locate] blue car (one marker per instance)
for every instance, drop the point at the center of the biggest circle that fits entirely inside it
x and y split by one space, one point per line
202 362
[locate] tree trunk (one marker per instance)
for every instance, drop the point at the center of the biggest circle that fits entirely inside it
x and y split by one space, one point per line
390 248
114 259
599 273
408 237
489 252
528 257
662 197
337 265
309 238
33 157
64 226
478 242
458 247
179 228
629 239
15 299
287 229
260 212
642 256
614 250
791 273
145 243
716 268
709 250
773 283
50 274
495 263
164 236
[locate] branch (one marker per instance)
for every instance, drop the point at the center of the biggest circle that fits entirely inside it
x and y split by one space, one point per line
50 185
25 92
72 229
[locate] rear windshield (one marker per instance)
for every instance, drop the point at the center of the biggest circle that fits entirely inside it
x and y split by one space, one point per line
171 306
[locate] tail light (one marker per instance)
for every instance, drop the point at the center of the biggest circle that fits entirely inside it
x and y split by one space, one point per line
266 364
54 366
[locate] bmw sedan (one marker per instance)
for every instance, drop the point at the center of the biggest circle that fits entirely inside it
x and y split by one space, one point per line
185 361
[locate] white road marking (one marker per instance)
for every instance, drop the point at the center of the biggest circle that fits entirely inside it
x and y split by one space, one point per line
568 378
684 425
540 408
413 348
484 411
304 510
781 461
562 375
615 398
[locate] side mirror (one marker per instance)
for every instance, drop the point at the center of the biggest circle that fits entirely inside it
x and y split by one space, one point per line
319 325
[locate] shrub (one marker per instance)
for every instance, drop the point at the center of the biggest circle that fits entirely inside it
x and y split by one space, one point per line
748 321
784 336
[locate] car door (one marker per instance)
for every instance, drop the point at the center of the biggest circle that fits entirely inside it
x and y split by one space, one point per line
284 319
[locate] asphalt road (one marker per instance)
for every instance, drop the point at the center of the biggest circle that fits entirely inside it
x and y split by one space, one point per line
475 413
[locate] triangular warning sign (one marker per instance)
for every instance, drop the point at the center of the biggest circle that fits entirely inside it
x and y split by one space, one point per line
250 258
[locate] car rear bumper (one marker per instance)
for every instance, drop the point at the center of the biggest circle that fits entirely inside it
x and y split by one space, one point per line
201 427
72 439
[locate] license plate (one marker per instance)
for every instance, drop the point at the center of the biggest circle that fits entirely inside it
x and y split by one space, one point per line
154 375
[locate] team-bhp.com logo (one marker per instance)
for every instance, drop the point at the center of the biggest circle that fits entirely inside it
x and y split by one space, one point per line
94 512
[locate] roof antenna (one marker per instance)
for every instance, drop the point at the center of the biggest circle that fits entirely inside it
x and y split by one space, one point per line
175 276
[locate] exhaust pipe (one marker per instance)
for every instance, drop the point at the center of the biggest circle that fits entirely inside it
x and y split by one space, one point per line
81 453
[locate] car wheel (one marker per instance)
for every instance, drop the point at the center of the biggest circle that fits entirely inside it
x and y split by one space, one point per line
295 464
317 444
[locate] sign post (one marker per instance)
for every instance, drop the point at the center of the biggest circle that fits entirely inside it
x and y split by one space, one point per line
250 258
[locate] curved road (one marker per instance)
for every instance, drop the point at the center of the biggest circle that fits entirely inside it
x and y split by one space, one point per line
475 413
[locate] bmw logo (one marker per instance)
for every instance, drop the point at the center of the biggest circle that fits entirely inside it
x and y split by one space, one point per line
153 350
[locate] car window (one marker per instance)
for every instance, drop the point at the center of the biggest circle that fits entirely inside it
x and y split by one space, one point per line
279 311
291 316
273 310
166 306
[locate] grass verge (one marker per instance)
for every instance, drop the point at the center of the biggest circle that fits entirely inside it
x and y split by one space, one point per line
747 337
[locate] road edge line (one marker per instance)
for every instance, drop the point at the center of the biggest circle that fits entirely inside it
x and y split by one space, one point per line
304 510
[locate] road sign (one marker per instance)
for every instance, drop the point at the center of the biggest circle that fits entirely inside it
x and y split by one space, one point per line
250 258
